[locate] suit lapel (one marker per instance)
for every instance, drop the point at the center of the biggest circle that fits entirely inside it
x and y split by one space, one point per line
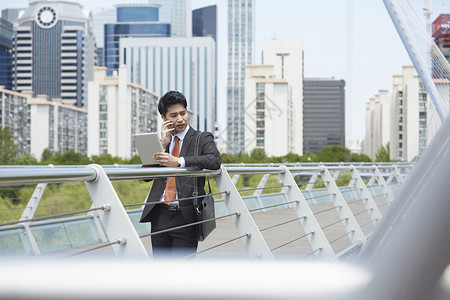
187 141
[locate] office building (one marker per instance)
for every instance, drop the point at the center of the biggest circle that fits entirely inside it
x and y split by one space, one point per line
323 113
118 109
135 20
378 123
53 51
178 14
56 126
6 36
99 19
287 58
12 14
182 64
241 44
204 22
14 116
267 111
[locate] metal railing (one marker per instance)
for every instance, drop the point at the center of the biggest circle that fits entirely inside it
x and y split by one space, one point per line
339 187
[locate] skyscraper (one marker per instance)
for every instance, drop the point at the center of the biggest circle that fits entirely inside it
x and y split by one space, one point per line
241 34
6 35
204 21
133 20
323 113
178 14
99 19
53 51
183 64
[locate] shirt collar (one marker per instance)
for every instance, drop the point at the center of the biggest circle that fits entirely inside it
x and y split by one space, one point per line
182 134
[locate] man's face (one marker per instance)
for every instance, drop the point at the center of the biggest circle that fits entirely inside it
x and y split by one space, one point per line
178 114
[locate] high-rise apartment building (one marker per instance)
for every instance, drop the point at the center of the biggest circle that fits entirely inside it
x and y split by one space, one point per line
267 110
6 36
178 14
378 122
441 34
14 116
56 126
118 109
408 113
323 113
182 64
287 58
134 20
241 40
53 51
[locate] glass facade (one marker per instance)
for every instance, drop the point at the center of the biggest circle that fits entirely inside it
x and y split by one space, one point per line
137 14
323 114
204 22
54 58
6 36
240 53
133 23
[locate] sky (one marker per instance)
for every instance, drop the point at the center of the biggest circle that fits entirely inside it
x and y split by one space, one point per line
354 40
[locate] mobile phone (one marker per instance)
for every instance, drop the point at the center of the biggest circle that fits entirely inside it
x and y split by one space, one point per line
170 126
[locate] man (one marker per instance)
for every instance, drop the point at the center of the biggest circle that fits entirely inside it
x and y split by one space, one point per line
165 211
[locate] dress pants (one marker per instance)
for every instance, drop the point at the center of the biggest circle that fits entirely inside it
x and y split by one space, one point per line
175 243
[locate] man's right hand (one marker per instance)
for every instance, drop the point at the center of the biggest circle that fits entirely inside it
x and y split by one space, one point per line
166 134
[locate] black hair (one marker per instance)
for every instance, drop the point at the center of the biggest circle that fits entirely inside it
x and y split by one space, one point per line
170 98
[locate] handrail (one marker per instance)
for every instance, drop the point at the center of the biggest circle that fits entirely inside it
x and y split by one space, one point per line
30 175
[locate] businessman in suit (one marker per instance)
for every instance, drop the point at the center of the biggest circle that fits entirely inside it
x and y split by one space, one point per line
165 211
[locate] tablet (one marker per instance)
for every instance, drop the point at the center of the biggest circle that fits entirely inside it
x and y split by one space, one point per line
146 145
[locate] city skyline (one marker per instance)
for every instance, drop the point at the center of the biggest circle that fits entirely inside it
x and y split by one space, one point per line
368 66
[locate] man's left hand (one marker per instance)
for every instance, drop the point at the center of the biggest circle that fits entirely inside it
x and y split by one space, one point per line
165 159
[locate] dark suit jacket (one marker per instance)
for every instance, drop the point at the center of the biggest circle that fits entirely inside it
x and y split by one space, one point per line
208 158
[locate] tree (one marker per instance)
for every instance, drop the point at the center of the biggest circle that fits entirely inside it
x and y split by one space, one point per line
334 153
383 154
8 150
26 159
47 155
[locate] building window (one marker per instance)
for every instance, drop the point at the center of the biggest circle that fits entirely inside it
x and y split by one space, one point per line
260 143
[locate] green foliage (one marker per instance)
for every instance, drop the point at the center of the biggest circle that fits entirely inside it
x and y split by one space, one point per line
47 155
26 159
334 154
383 154
8 150
328 154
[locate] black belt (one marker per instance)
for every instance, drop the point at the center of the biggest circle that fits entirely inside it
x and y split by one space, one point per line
171 207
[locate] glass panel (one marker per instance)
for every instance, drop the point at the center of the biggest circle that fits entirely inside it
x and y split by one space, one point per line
272 199
11 243
50 238
251 202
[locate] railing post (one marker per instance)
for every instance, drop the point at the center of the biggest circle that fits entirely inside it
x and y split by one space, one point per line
115 220
27 237
259 191
366 196
387 192
352 227
318 240
254 242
